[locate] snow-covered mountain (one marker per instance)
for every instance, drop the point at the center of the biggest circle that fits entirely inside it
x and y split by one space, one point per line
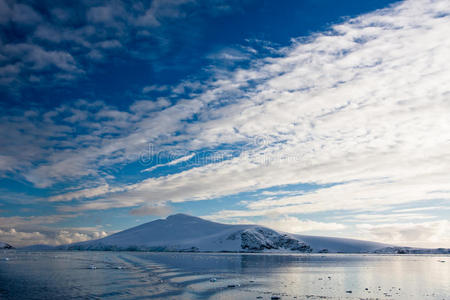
5 246
187 233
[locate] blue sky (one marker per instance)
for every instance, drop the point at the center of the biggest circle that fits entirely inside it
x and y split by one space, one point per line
311 117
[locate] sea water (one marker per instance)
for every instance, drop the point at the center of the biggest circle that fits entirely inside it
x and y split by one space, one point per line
140 275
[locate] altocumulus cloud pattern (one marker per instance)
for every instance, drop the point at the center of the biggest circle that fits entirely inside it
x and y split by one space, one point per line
351 123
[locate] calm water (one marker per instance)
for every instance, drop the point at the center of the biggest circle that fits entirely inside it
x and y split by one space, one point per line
137 275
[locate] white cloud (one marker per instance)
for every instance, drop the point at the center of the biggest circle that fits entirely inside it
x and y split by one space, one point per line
426 234
388 217
146 106
84 193
5 12
24 231
23 14
296 225
150 210
345 110
57 237
151 88
340 109
365 105
416 209
18 221
171 163
73 38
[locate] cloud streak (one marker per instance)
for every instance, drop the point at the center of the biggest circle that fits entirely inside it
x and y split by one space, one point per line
171 163
364 102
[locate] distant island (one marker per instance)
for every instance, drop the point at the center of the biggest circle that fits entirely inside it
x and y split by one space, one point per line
184 233
4 245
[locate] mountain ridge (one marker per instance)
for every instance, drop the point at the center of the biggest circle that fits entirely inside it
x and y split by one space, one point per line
182 232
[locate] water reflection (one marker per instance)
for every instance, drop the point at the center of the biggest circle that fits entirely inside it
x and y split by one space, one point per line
136 275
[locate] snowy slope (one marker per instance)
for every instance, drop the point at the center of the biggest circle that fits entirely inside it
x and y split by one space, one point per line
177 232
5 246
186 233
339 245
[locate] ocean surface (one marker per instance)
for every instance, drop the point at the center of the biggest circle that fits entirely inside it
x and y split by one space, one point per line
139 275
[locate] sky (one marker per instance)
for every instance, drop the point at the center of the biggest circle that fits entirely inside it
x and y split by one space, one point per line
314 116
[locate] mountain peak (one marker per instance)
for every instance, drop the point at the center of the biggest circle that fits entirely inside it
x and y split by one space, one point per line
184 218
194 223
180 216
